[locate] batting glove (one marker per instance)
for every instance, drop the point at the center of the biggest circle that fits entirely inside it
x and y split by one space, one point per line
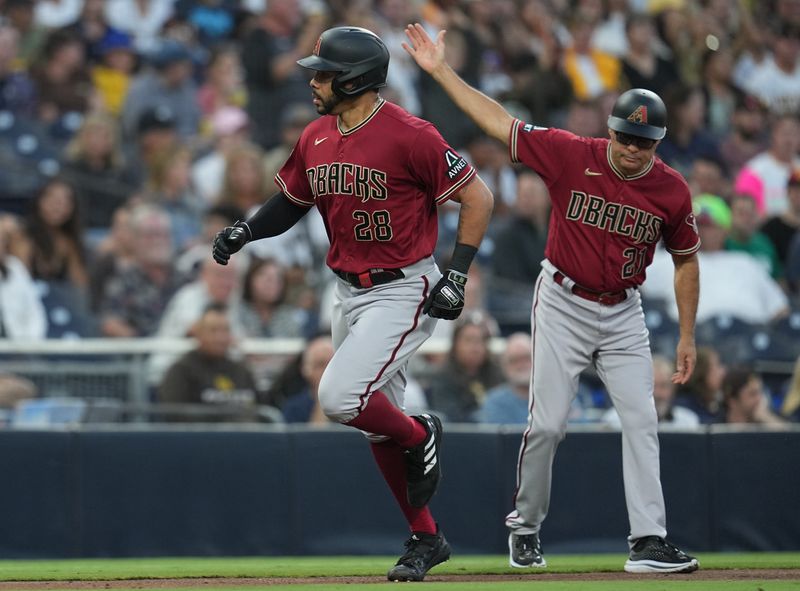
446 299
229 241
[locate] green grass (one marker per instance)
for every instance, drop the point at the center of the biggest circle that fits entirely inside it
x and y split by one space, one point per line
376 566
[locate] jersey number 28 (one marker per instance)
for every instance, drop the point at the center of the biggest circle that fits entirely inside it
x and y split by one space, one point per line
372 226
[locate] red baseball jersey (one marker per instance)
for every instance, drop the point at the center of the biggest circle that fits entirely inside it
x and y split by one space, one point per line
376 186
604 226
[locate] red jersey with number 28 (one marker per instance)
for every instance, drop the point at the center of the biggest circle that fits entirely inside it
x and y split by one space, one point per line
376 186
604 226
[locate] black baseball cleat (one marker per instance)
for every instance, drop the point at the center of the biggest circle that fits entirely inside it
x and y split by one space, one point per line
422 462
423 552
653 554
525 551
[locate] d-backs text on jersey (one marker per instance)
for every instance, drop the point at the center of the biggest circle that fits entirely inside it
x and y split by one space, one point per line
625 220
346 178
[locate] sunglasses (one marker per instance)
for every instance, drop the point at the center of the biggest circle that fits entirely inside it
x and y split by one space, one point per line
640 142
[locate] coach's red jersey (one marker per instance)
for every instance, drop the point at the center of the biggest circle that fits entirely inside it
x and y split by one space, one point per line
376 185
604 226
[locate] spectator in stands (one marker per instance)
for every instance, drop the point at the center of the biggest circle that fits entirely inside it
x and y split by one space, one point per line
51 241
765 176
214 20
142 19
781 228
403 76
169 185
224 82
62 78
731 283
489 158
519 251
776 81
590 71
209 375
792 269
229 129
702 394
245 183
17 93
744 399
95 166
22 315
282 34
113 255
707 176
457 390
687 138
719 92
745 237
93 29
642 67
747 135
790 408
168 83
507 404
136 296
303 407
669 414
295 119
156 134
584 118
19 14
216 284
113 73
263 311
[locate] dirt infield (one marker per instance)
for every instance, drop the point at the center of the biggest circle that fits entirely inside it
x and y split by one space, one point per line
701 575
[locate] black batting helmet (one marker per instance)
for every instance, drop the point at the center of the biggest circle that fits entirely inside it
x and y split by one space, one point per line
641 113
357 55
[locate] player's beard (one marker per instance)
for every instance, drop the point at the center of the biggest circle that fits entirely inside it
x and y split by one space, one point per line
327 106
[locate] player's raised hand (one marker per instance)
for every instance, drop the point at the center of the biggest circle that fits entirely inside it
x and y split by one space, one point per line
426 53
685 360
446 299
229 241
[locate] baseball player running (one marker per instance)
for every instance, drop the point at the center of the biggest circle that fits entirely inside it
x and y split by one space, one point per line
376 174
613 200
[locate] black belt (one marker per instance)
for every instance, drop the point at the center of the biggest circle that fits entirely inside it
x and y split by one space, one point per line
604 298
371 277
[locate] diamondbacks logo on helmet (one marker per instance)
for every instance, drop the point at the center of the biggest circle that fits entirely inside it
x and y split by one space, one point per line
639 115
316 47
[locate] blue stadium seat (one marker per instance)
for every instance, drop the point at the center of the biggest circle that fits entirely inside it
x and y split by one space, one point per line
68 315
731 337
664 331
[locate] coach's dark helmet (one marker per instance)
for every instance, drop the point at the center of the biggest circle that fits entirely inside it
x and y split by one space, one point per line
358 55
641 113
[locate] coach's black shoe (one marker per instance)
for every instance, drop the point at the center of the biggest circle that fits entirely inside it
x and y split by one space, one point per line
422 461
423 552
525 550
653 554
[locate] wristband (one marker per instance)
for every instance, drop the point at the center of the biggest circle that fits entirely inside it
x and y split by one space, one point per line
462 257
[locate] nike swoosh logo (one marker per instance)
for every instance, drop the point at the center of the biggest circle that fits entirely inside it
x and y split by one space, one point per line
318 141
588 172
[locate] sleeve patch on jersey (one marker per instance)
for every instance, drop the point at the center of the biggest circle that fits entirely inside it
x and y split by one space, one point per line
528 127
455 163
692 221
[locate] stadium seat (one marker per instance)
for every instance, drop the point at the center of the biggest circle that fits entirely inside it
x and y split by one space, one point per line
68 315
664 331
732 338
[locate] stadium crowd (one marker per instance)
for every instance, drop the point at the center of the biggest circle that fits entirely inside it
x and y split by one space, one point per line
131 131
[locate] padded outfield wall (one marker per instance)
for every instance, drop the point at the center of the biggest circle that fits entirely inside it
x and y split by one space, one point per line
295 491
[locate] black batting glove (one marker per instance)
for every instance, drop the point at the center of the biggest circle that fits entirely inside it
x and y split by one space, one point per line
446 299
229 241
